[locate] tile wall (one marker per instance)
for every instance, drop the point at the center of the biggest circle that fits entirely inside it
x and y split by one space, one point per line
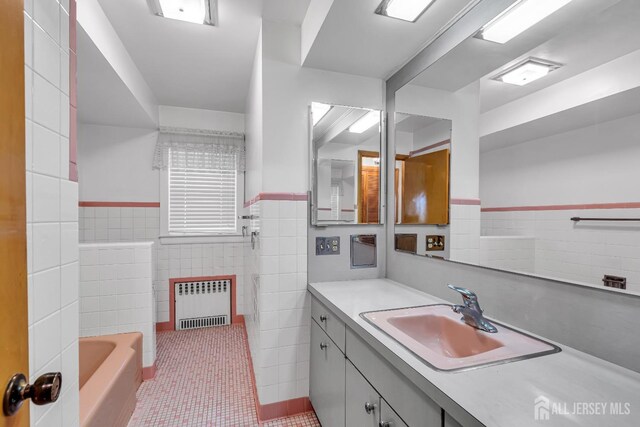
464 234
116 292
52 214
131 224
515 253
278 324
584 251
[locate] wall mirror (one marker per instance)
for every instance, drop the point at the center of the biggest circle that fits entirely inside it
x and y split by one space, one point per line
542 129
346 157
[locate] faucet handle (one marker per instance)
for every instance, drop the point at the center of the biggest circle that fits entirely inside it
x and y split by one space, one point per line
467 295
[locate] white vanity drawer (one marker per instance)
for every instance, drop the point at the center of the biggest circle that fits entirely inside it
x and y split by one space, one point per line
413 406
329 322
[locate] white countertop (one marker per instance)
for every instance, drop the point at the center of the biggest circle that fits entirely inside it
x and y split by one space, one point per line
501 395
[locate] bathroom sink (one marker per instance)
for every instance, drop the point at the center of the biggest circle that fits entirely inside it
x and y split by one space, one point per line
441 339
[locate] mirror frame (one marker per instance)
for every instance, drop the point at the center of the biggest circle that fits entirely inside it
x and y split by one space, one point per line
313 163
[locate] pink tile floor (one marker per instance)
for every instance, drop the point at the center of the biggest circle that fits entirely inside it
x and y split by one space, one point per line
203 379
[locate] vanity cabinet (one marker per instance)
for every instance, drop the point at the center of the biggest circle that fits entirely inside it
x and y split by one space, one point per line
327 378
357 387
450 422
363 401
364 406
329 323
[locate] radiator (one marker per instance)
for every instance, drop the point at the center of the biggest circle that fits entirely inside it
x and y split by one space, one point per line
202 304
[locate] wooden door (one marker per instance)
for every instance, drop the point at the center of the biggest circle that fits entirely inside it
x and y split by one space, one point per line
14 352
425 189
370 195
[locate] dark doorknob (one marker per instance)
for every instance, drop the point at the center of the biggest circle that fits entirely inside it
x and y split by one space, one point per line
45 390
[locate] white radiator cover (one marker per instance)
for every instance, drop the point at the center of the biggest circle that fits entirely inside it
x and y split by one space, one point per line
201 304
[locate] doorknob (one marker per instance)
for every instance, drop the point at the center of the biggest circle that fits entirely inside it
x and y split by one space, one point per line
45 390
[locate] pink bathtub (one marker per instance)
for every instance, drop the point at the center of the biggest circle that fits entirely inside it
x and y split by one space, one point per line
110 374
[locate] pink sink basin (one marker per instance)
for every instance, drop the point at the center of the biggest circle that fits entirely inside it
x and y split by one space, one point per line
437 335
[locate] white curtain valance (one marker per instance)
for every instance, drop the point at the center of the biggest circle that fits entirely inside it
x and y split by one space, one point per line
201 149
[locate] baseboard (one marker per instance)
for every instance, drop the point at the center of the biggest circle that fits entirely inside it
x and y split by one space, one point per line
285 408
149 372
164 326
274 410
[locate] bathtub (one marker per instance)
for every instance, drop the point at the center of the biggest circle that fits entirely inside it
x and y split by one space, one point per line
110 374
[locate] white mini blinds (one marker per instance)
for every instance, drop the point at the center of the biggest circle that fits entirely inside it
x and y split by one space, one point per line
202 173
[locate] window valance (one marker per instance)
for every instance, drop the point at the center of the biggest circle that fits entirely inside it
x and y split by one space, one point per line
199 149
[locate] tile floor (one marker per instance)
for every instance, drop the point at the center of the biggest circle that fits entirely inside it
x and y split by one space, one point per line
203 379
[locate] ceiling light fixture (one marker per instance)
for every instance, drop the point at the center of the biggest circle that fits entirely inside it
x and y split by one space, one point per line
365 122
407 10
318 111
195 11
521 16
527 71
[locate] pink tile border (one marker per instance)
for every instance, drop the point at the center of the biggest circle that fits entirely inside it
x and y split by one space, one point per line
149 372
119 204
474 202
73 113
276 196
625 205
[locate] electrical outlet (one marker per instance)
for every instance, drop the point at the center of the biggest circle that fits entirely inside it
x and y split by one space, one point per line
435 243
328 245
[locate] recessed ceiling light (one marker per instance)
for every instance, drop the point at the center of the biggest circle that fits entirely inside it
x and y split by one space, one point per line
365 122
407 10
318 111
527 71
195 11
521 16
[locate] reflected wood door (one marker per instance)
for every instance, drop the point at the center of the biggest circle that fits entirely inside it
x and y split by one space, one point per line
14 352
370 202
425 189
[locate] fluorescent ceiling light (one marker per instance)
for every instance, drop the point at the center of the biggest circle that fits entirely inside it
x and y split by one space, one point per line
521 16
527 71
196 11
318 111
365 122
407 10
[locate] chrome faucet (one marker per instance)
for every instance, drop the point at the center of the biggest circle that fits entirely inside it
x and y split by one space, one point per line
471 311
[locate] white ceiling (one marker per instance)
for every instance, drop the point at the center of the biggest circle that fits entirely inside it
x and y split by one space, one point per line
289 11
103 98
582 35
355 40
190 65
412 123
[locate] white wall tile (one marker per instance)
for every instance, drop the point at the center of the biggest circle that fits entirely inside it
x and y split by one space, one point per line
46 293
46 56
46 15
46 246
46 103
46 198
46 151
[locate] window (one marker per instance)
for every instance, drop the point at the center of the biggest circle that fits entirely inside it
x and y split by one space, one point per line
201 201
201 185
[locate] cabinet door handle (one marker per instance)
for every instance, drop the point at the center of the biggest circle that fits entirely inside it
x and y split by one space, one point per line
323 318
385 424
323 346
370 407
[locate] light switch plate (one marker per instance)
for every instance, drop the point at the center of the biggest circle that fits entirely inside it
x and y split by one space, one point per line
328 245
